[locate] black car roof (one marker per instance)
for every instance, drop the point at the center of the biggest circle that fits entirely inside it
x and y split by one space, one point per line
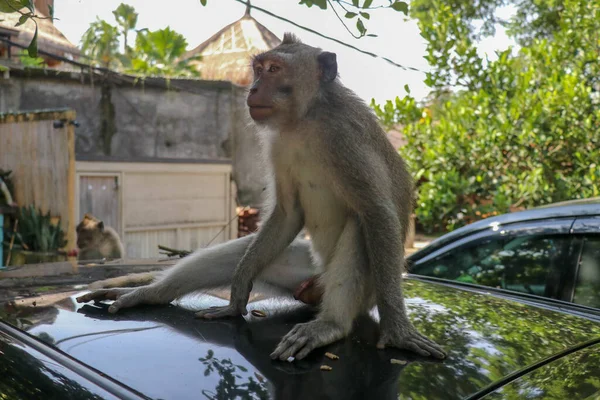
569 209
163 352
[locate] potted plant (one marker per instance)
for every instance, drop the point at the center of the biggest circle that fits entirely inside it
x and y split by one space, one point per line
38 239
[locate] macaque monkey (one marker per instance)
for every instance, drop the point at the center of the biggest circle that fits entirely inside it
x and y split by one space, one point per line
333 172
96 241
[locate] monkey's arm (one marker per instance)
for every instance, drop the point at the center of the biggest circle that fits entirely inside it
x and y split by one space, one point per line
277 232
366 187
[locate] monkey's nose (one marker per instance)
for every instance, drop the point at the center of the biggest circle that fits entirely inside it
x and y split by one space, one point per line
253 90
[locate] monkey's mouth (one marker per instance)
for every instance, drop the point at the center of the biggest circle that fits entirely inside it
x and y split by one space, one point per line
260 112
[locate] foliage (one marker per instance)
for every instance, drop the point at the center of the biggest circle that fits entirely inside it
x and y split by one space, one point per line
159 52
126 18
100 43
524 130
155 53
30 62
27 10
38 232
351 10
357 10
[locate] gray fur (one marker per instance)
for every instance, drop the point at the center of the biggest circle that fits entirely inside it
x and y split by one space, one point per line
96 241
334 173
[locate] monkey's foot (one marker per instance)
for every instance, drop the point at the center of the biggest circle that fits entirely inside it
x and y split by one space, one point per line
304 338
222 312
125 298
410 340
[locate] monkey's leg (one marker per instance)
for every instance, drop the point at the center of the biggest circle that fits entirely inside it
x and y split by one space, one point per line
130 280
346 293
213 268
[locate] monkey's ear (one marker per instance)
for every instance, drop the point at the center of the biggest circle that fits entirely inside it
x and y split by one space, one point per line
328 65
100 225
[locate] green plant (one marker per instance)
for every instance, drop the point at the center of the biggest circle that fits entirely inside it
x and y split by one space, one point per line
38 232
30 62
516 132
155 53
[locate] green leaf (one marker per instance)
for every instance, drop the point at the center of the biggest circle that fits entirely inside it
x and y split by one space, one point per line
28 4
32 49
367 3
22 20
360 26
355 3
203 2
10 6
365 15
321 3
400 6
407 89
350 15
372 35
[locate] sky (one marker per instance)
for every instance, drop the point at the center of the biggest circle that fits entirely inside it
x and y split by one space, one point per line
398 38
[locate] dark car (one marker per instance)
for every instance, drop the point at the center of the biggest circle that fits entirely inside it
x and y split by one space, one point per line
551 251
500 346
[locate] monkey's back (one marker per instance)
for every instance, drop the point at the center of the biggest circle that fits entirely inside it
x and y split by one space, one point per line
357 129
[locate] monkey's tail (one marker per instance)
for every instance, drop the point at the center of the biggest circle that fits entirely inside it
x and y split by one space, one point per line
131 280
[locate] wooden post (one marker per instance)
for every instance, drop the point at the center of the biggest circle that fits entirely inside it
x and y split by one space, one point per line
71 217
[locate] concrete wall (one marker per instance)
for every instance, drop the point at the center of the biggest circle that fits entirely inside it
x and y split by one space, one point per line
120 117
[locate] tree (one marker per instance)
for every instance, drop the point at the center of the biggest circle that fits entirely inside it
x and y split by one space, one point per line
126 18
519 131
155 53
159 53
100 43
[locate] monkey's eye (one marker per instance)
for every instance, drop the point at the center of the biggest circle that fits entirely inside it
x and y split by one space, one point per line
259 70
273 68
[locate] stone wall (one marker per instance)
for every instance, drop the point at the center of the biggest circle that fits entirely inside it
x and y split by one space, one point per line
121 117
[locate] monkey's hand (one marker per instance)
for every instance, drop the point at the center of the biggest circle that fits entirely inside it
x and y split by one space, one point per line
124 297
240 293
306 337
231 310
407 337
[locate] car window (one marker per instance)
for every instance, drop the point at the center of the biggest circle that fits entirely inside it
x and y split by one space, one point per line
587 287
523 264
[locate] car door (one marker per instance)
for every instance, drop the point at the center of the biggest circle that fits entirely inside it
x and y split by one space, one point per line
534 257
586 287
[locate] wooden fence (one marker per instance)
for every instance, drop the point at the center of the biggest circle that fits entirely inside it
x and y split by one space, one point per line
182 204
39 148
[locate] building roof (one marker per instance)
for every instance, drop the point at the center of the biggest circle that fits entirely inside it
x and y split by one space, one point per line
50 39
226 55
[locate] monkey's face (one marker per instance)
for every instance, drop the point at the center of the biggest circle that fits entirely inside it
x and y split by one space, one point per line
89 232
272 87
287 79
